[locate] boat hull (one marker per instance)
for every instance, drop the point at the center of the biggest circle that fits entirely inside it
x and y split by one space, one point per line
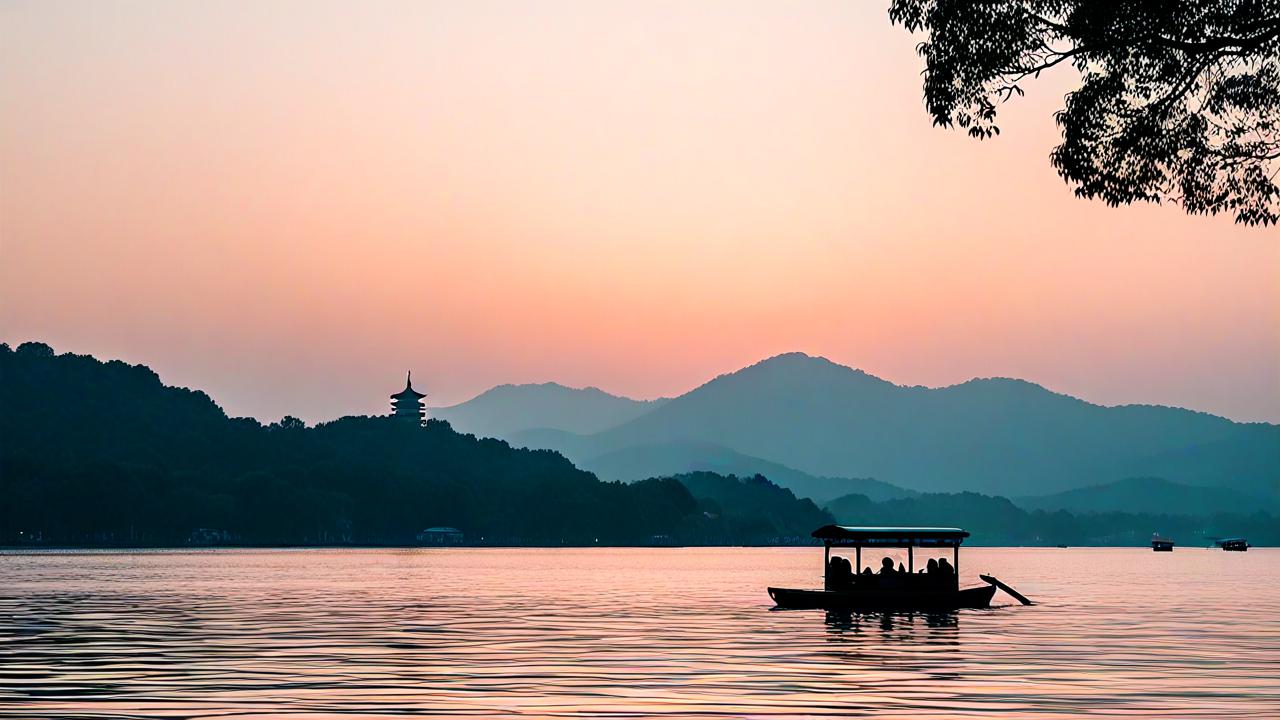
974 597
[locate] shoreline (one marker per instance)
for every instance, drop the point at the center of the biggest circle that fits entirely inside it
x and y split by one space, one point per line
190 548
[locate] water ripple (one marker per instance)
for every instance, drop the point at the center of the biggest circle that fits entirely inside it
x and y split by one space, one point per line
624 633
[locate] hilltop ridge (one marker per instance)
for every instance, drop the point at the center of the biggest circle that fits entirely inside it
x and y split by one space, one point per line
506 409
104 453
996 435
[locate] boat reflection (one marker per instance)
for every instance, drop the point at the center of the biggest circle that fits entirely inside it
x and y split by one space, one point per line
927 643
927 627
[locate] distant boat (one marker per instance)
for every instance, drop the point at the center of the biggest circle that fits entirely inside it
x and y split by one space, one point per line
1233 544
1161 544
845 588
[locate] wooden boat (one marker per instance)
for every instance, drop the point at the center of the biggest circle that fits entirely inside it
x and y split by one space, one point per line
1233 544
1161 544
907 590
862 599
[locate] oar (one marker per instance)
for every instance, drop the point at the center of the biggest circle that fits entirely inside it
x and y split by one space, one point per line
1016 595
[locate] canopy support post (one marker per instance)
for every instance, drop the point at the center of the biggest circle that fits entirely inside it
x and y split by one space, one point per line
955 553
857 554
826 565
911 559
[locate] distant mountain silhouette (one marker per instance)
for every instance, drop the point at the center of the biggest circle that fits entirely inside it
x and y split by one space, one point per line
997 435
103 453
641 461
1147 495
508 409
994 520
752 507
679 458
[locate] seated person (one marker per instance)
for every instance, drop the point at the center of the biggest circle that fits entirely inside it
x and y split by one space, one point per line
839 574
945 568
932 575
886 567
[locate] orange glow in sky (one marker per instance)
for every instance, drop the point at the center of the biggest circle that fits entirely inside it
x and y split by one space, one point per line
288 204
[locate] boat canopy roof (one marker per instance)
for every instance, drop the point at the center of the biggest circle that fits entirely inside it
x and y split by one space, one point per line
891 536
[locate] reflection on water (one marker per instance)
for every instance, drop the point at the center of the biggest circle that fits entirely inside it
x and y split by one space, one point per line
848 620
625 633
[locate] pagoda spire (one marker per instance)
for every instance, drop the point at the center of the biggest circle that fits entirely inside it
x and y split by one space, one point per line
407 404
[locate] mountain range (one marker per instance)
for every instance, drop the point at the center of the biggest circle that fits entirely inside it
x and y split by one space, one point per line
1145 495
103 453
826 430
509 409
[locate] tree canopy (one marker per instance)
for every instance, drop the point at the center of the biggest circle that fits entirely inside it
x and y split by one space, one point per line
1179 99
96 453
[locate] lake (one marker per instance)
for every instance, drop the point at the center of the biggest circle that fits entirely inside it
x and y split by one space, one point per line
626 633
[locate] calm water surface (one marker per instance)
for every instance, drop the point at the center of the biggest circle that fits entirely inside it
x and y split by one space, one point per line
625 633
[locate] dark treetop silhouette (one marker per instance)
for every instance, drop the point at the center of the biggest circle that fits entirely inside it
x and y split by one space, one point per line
103 453
1179 102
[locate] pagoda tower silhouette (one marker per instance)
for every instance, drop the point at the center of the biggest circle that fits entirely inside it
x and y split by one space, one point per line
407 404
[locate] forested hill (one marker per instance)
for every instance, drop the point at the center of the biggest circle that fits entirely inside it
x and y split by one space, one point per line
99 452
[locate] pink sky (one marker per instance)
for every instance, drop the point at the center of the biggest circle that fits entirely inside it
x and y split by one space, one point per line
288 204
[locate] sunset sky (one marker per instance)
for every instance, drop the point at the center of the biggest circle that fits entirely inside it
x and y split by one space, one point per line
288 204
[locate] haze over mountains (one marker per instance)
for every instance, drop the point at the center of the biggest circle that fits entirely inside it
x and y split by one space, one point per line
508 409
808 422
1144 495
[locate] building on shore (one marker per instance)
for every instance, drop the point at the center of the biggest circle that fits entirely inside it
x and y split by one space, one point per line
440 536
207 537
407 404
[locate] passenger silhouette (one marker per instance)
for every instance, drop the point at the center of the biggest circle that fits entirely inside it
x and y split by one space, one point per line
932 566
886 567
945 568
841 573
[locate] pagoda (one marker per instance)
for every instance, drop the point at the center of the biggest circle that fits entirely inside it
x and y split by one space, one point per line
407 404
